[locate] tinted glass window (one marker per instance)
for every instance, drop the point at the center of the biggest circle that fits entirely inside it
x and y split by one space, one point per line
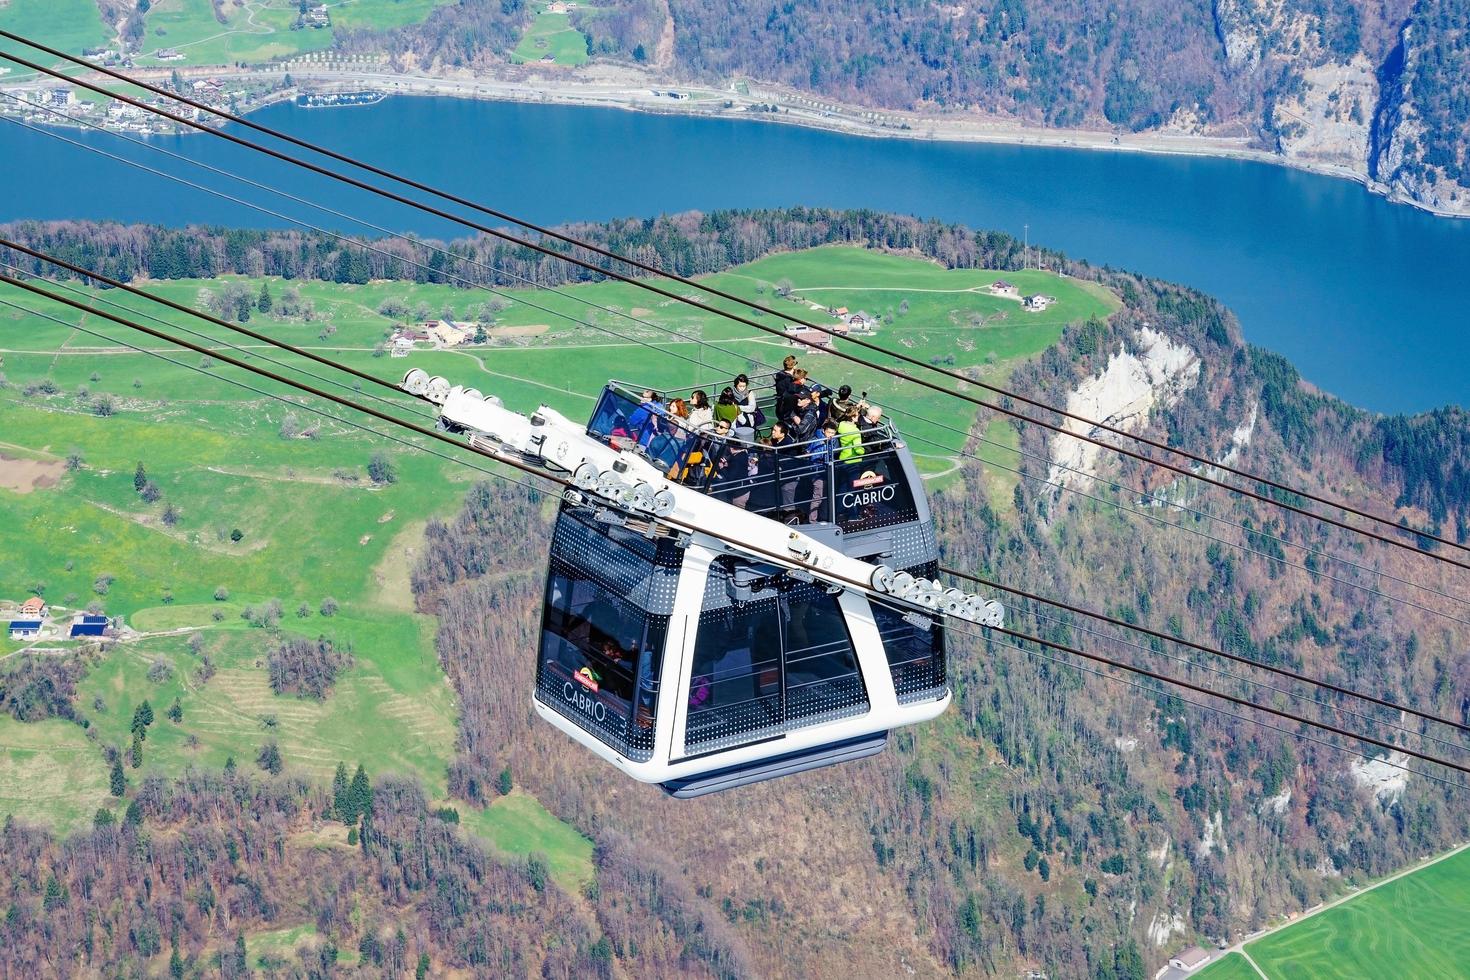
735 682
599 661
915 654
780 661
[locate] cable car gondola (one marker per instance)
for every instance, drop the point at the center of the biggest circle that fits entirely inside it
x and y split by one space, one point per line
718 612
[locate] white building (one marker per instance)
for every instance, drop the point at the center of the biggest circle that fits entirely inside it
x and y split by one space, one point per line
1190 959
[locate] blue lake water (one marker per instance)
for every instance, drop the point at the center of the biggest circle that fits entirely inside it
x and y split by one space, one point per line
1359 293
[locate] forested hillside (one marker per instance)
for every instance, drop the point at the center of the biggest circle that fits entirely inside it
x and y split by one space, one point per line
1051 820
1371 86
1375 88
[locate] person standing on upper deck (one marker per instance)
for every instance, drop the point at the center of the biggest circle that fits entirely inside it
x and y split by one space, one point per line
785 379
745 401
871 426
787 455
822 453
843 405
804 418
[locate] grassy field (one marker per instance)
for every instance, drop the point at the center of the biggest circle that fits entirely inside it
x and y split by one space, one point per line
50 773
1232 967
551 34
262 31
70 25
521 826
312 525
1415 926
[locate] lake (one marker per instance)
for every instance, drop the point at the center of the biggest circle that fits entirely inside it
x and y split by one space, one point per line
1358 292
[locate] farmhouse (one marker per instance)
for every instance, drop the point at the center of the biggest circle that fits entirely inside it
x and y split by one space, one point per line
1190 959
450 333
837 310
34 608
402 345
317 17
811 339
1036 302
168 54
1002 287
25 629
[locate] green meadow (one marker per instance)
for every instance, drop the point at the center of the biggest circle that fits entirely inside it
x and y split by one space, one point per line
70 25
551 34
1414 926
1230 967
258 32
261 500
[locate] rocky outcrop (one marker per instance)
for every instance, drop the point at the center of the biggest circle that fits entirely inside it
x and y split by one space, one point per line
1398 158
1328 120
1384 777
1154 373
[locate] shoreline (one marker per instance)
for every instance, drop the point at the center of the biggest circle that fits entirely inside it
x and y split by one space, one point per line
796 109
633 91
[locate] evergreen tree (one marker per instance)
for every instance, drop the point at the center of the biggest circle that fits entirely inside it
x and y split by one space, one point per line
134 814
56 894
339 792
360 793
263 303
140 477
103 818
503 783
136 753
423 967
269 758
242 960
176 712
119 780
230 766
176 964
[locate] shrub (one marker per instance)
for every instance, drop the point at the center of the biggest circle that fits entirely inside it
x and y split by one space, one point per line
306 667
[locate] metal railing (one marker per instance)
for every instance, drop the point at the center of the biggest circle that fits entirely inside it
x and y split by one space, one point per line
858 483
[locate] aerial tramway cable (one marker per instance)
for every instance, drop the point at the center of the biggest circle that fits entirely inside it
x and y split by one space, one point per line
1213 651
630 280
685 338
781 560
1214 709
79 270
651 269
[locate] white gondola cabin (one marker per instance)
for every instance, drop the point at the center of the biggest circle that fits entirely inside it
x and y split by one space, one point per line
701 627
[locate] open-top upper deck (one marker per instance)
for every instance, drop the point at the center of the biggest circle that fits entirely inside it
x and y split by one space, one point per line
862 479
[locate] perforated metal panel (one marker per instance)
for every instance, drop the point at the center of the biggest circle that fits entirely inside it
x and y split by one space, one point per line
645 572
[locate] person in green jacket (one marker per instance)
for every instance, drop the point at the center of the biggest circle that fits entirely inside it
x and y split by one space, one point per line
849 439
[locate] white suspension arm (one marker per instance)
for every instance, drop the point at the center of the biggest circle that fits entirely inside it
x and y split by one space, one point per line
628 481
